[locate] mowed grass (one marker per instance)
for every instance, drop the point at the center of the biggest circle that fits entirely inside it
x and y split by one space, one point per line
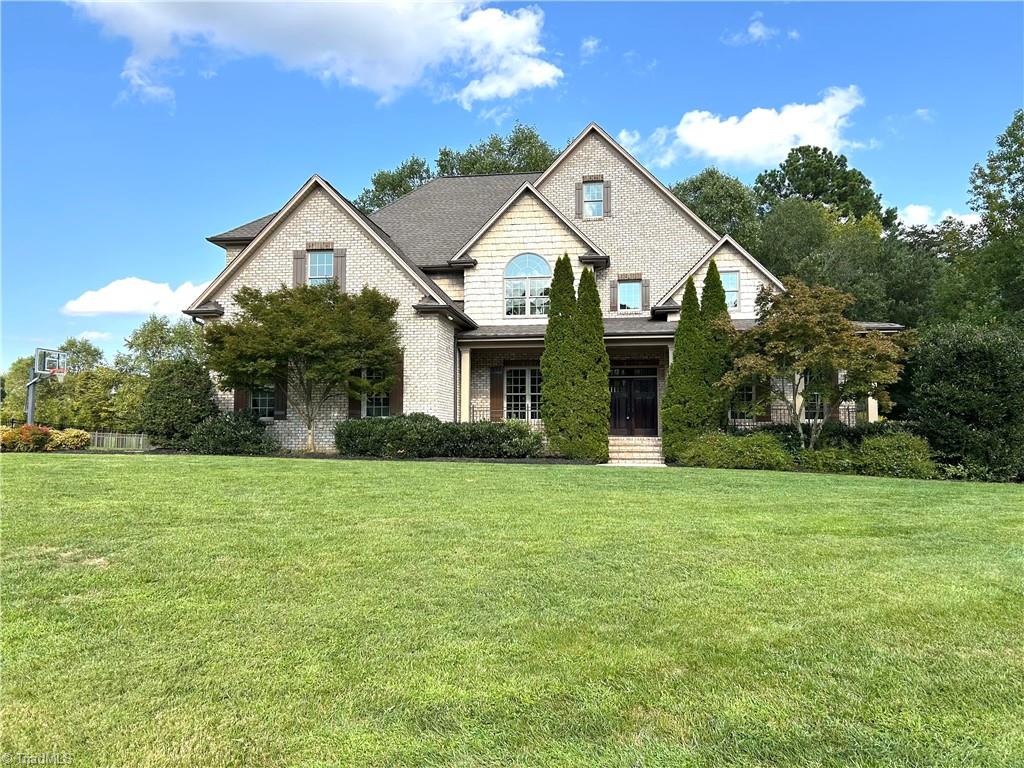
231 611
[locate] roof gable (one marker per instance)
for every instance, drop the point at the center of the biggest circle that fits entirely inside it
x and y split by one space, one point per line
373 231
725 240
595 130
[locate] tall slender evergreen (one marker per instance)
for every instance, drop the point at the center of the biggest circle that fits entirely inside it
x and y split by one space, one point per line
687 407
592 400
715 313
556 366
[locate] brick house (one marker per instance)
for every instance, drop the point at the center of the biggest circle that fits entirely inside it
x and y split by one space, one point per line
470 258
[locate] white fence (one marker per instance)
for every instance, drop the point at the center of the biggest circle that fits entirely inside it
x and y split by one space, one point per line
119 441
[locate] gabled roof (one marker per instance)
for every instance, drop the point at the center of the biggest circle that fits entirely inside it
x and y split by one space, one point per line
526 189
594 128
434 221
726 240
244 233
433 291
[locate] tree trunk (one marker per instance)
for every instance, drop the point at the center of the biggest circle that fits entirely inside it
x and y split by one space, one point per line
310 445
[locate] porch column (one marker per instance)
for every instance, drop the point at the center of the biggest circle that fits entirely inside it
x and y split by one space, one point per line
464 379
671 349
872 410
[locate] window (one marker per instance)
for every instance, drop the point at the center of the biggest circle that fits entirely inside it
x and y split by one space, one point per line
263 402
593 199
629 294
527 285
522 394
731 284
377 405
742 403
321 267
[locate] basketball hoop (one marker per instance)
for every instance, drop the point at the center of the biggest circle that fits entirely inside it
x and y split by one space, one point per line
51 364
58 374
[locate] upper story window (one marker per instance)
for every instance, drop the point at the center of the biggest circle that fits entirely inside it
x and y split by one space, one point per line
630 295
593 199
731 284
527 285
321 267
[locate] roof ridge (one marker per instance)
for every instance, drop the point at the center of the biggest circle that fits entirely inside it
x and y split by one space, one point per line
481 175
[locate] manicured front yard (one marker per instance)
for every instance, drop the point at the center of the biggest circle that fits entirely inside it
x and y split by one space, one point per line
218 611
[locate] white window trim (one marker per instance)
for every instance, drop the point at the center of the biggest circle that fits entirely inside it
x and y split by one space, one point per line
640 296
273 401
739 283
585 201
364 405
309 267
505 279
529 394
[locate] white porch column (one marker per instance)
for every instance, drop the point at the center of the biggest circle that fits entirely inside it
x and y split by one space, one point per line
671 349
872 410
464 379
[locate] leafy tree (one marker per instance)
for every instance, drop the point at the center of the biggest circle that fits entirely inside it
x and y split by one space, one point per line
157 338
557 365
522 150
914 270
688 406
314 338
817 174
724 202
968 397
83 355
387 186
179 397
801 342
15 396
592 399
714 314
791 232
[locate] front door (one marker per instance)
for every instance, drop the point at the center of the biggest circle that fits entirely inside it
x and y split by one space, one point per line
634 406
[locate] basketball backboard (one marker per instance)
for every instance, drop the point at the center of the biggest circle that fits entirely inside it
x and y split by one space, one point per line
51 363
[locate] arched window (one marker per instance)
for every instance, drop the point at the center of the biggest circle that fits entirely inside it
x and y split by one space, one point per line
527 285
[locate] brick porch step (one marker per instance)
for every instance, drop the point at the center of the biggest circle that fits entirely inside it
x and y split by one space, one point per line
643 451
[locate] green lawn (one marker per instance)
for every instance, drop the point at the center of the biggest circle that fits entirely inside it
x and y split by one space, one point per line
218 611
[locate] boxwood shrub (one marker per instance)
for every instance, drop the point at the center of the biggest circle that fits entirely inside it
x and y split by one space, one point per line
758 450
896 455
418 436
838 461
239 433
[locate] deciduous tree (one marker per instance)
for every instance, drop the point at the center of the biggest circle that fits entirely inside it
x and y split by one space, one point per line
724 202
387 186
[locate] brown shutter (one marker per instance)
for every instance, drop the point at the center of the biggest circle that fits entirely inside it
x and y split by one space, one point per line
645 295
497 394
579 201
281 399
299 268
607 198
613 295
339 267
398 389
241 399
355 407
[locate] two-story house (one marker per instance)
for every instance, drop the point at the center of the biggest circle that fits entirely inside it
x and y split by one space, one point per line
470 260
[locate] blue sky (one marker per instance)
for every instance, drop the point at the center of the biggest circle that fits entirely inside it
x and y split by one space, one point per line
131 132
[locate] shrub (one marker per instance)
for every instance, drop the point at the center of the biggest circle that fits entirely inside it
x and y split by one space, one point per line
837 461
896 455
967 398
418 436
179 397
68 440
717 450
26 438
239 433
689 405
787 435
591 398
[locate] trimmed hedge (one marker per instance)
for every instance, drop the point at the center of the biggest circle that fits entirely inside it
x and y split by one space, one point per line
34 438
232 434
836 461
418 436
896 455
758 450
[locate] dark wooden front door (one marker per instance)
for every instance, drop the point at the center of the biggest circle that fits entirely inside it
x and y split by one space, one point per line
634 410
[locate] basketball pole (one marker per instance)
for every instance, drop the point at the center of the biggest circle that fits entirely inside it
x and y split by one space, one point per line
30 405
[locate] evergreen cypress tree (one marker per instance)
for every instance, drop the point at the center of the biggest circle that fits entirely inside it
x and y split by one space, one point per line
556 368
715 313
686 409
592 400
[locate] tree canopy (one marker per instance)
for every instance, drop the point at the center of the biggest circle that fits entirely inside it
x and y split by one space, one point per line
818 174
387 186
157 338
723 202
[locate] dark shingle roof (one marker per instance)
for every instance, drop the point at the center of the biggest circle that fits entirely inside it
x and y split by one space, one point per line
244 233
433 222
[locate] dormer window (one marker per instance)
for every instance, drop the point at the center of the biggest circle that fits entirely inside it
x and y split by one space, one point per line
731 284
527 285
321 267
593 199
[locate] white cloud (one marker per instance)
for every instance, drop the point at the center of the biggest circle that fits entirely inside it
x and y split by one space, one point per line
384 48
94 335
914 215
763 136
924 114
756 32
134 296
589 48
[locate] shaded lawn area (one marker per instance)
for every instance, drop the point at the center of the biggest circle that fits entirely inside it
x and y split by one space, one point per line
234 611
